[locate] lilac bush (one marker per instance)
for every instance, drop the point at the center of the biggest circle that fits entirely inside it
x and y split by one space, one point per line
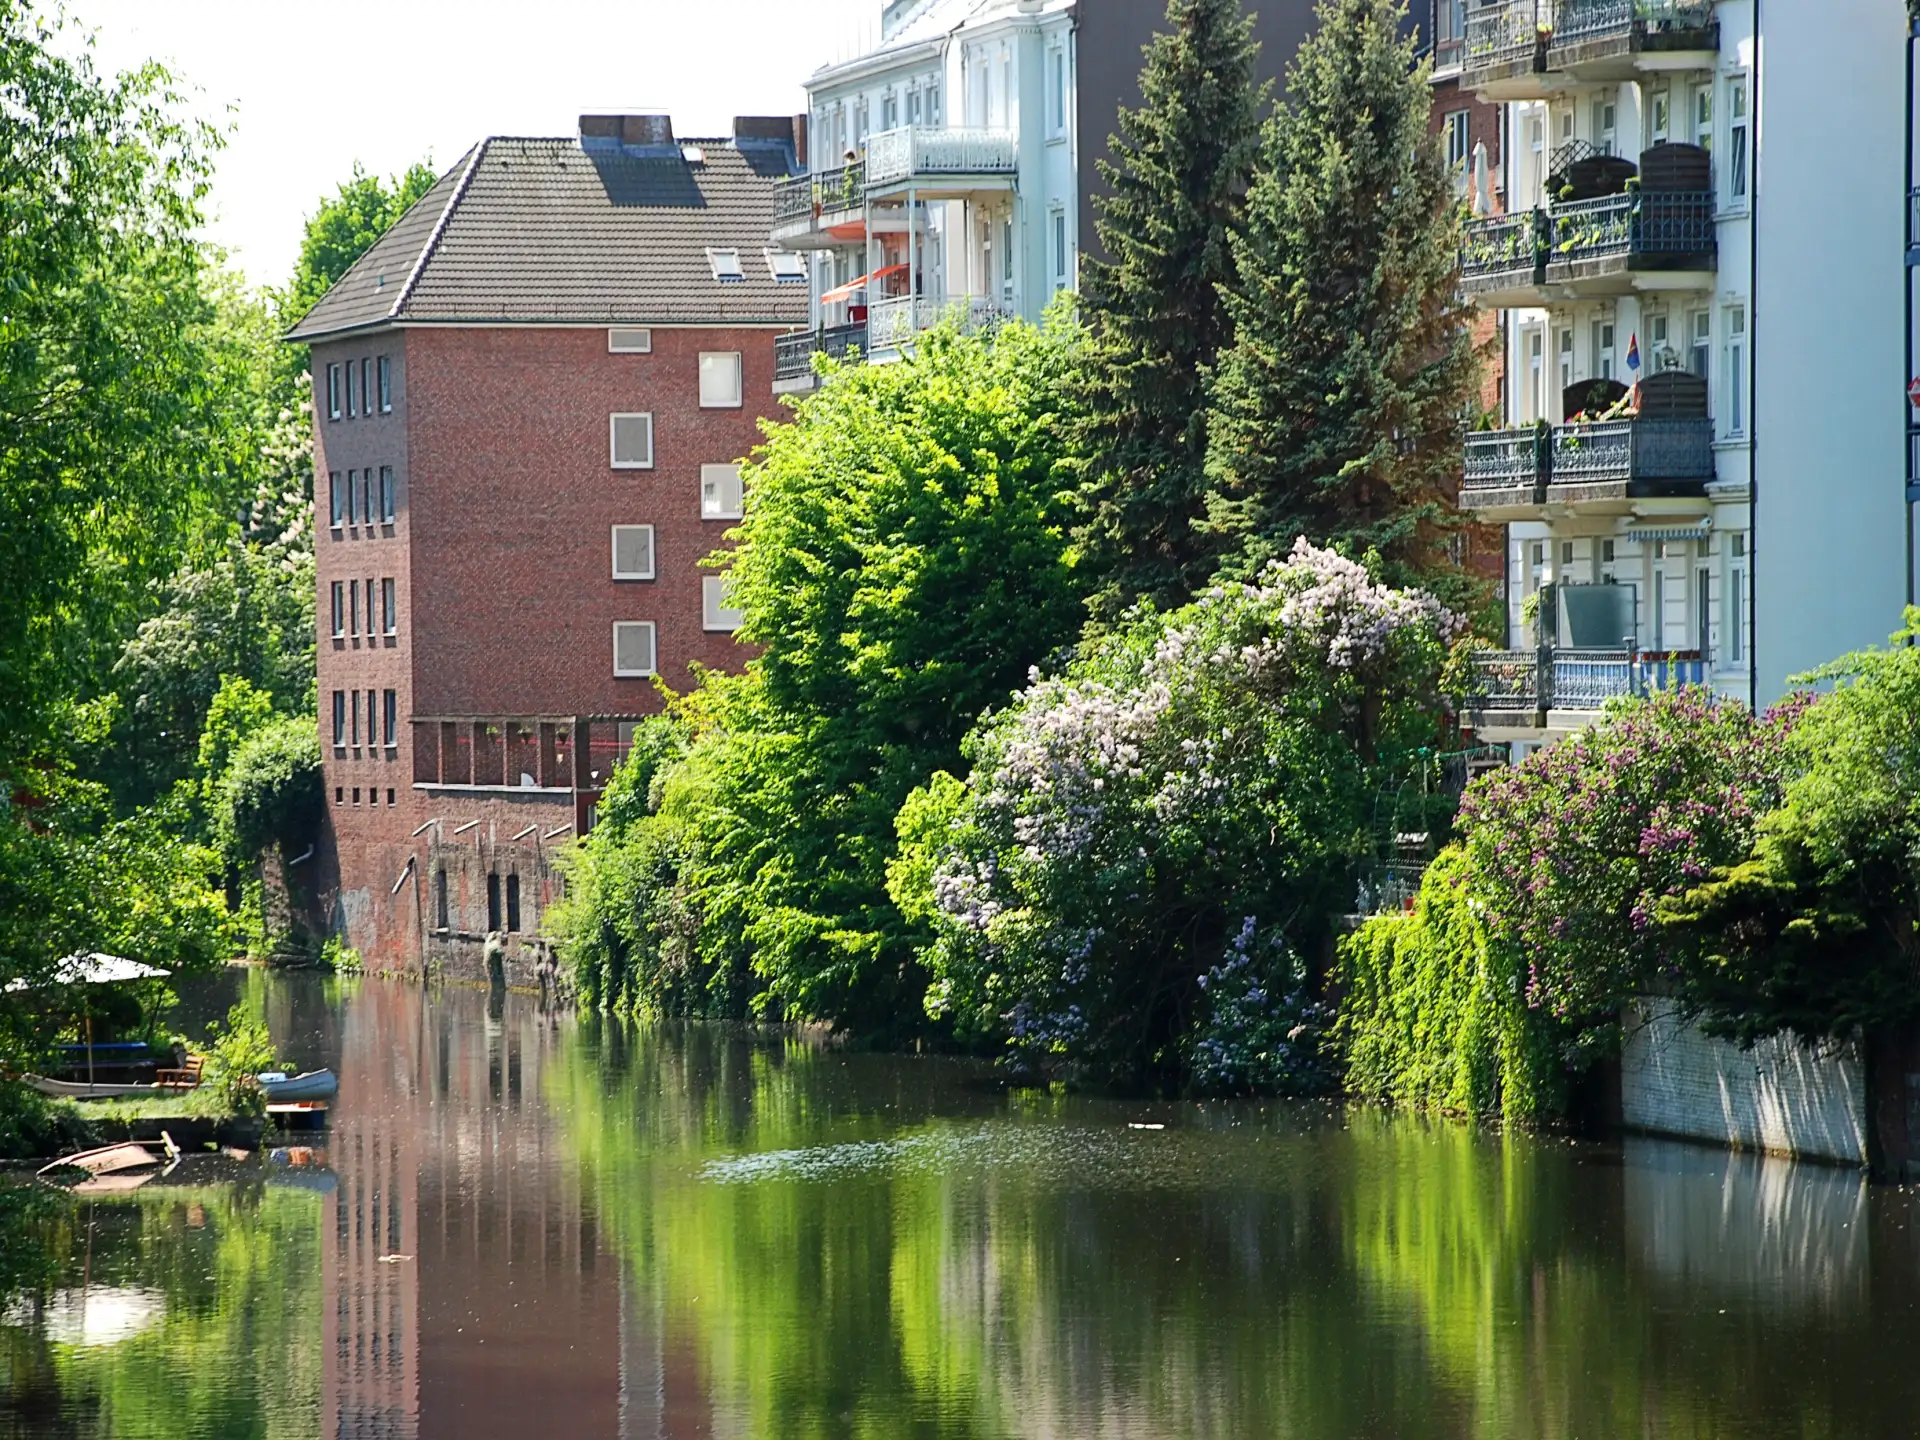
1191 783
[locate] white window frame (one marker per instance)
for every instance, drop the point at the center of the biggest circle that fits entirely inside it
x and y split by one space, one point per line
372 617
714 611
709 474
629 340
1739 151
390 719
337 501
1733 604
793 273
333 390
1057 91
1659 116
1458 128
1734 383
1058 246
653 645
726 266
613 540
739 387
339 597
389 606
613 428
389 500
339 719
384 369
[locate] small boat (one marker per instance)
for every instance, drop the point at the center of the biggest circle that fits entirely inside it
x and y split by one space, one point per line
107 1160
312 1085
81 1090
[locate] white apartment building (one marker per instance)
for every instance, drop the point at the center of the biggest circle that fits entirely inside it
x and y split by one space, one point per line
943 177
1695 257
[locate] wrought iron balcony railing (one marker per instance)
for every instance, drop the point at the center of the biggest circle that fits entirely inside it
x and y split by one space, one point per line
1503 245
1590 452
1641 225
793 353
1503 34
891 323
800 197
912 151
1548 678
1579 22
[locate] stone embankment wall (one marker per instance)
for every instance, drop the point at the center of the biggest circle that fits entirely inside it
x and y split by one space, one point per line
1779 1096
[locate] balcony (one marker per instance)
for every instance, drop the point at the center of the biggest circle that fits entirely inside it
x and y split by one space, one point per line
1520 689
941 161
793 353
1597 465
892 324
1623 228
1531 49
811 211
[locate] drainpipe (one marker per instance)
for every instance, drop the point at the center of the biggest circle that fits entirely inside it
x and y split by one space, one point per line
1753 361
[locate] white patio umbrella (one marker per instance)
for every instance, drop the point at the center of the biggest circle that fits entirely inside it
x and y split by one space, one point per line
96 968
1482 181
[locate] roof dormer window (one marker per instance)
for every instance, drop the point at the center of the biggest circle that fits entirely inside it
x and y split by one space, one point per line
726 266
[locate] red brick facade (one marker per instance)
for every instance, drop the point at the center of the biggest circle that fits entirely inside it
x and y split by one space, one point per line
506 709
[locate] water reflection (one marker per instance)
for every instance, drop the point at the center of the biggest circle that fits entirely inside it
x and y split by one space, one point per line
521 1222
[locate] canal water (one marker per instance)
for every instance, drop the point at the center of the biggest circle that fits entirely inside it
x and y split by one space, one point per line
526 1225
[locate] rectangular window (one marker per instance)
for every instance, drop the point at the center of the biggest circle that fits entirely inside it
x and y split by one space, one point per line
339 719
353 606
1566 359
1659 117
1700 353
933 103
333 392
353 718
721 493
366 385
1737 370
889 111
387 498
390 606
625 340
720 380
386 385
631 441
726 266
493 902
339 610
1703 116
1659 356
1059 229
1006 259
337 496
1660 608
1459 138
1057 91
913 106
1737 139
633 552
353 392
1449 30
366 496
633 648
716 613
353 486
1603 349
513 903
1703 584
373 719
1734 620
1606 111
390 718
372 618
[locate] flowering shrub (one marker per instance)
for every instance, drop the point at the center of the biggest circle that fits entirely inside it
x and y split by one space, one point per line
1147 841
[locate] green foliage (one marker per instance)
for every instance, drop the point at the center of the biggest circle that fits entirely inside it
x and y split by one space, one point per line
901 566
1336 409
1433 1009
237 1052
1150 839
1817 930
1156 321
115 447
345 227
1573 850
271 793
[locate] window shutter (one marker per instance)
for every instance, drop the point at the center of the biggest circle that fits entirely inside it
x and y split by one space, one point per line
633 552
633 648
721 492
633 442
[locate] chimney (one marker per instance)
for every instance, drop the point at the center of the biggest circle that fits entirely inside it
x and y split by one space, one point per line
635 134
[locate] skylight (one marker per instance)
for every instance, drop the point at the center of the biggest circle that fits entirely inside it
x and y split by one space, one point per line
726 266
787 267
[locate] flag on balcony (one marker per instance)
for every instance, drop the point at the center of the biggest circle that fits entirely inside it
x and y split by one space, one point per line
1633 353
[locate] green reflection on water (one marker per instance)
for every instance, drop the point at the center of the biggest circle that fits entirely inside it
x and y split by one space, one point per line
848 1245
173 1311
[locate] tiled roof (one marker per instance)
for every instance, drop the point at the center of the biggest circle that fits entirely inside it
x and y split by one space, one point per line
532 230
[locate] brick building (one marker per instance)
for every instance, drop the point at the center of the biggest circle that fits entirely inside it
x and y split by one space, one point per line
531 397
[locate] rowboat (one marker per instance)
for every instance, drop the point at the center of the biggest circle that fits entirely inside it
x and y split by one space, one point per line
107 1160
312 1085
81 1090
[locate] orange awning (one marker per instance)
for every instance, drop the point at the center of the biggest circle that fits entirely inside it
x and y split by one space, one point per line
859 283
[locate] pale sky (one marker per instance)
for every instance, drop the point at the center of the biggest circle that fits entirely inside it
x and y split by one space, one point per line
311 88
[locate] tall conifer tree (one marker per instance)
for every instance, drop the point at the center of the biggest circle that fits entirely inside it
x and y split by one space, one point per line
1336 409
1180 169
